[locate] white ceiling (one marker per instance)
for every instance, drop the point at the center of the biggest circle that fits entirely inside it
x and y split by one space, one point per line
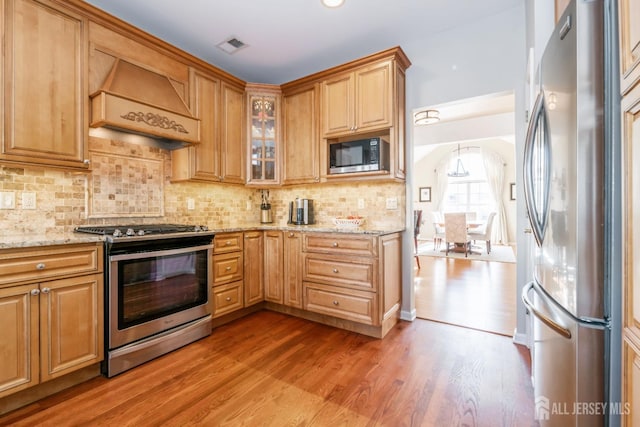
289 39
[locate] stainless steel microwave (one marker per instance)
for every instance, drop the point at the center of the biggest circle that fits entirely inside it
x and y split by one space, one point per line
363 155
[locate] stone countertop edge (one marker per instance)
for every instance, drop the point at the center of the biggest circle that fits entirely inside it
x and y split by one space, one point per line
53 239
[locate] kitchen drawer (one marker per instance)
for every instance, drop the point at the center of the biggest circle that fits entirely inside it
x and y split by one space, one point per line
33 265
227 242
357 273
227 267
227 298
357 306
351 244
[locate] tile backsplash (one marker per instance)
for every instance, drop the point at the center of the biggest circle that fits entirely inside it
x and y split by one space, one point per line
131 183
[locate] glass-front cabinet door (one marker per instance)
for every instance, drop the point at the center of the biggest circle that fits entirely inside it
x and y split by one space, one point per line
264 137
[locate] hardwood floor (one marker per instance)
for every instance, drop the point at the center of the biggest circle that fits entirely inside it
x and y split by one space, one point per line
474 294
270 369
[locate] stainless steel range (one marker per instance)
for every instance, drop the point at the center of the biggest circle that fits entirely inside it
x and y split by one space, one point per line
157 290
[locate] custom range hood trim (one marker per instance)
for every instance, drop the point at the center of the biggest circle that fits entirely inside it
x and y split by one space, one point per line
137 100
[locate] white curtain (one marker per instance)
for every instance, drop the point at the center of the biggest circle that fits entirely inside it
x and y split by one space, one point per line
494 170
442 182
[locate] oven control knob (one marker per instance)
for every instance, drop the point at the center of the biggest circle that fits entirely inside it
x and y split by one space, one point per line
140 233
130 232
204 228
117 233
197 228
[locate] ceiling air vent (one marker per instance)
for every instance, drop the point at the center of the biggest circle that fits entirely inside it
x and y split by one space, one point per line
232 45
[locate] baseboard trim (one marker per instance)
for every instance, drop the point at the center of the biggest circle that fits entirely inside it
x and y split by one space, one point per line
520 339
408 315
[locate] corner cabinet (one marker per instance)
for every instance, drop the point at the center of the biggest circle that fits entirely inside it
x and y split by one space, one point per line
263 107
219 157
45 90
51 308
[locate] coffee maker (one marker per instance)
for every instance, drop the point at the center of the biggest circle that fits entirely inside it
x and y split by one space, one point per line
301 212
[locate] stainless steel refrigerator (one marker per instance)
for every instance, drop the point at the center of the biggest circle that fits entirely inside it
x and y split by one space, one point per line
571 189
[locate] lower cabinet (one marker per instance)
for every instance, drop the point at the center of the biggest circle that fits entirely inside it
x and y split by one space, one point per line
228 273
227 298
273 257
292 269
253 267
49 328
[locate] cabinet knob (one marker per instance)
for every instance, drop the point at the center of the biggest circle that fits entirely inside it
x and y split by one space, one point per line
228 243
228 299
40 266
35 291
290 234
335 244
86 161
335 270
335 302
46 290
228 268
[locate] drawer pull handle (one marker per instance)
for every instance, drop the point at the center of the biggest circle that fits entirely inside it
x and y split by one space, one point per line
46 290
228 299
228 268
40 266
335 244
35 292
335 270
335 302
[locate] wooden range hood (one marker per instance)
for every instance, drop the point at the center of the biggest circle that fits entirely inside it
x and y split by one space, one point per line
136 100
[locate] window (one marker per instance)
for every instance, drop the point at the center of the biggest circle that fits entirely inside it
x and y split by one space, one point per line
470 193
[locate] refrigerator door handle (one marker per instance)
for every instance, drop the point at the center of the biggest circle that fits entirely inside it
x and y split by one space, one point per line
537 218
561 330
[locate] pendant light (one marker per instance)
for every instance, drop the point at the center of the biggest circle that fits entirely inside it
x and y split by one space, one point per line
460 171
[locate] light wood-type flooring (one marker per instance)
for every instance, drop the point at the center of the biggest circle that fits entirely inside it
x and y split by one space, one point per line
270 369
470 293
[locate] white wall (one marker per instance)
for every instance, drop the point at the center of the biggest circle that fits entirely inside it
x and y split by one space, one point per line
424 176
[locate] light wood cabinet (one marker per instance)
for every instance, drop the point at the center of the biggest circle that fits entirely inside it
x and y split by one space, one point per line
292 266
254 253
227 289
264 139
220 154
629 17
51 327
45 90
359 101
273 267
301 142
353 277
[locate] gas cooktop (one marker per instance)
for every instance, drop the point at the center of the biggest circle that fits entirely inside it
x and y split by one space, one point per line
142 230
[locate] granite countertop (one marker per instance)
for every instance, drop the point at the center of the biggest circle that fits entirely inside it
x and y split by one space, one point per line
50 239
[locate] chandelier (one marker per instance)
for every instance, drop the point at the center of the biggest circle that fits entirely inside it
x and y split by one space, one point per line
460 171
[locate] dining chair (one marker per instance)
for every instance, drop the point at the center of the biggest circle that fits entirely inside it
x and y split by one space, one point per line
438 230
484 233
417 221
455 230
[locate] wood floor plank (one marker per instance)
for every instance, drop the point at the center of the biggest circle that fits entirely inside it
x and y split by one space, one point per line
270 369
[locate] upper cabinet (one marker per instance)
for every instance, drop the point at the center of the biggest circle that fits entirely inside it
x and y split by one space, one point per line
263 103
301 162
45 120
220 154
629 14
358 101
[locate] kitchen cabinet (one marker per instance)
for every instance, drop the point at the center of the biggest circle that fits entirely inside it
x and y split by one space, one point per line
227 289
263 105
292 262
51 306
254 254
629 27
273 265
358 101
353 277
45 90
219 157
301 142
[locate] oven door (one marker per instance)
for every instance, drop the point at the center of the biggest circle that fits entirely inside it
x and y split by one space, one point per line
153 291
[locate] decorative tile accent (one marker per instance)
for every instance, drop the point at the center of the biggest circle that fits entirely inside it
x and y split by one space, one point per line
125 186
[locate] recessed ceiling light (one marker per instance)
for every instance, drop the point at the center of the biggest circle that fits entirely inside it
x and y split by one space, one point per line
332 3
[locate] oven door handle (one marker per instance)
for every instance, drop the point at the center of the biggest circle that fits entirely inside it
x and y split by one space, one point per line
147 254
